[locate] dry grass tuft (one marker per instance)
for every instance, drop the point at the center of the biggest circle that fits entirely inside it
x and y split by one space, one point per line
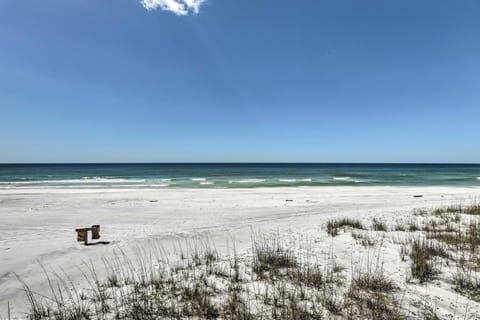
334 224
422 253
379 225
271 258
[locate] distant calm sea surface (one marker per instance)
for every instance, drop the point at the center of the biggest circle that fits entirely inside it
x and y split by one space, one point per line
234 175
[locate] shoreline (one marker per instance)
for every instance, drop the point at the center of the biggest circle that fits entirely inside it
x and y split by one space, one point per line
31 190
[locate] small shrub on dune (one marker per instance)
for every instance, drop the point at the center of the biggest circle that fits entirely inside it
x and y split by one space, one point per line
467 283
429 314
334 224
371 305
372 298
472 209
473 236
287 305
235 308
458 239
379 225
315 276
414 227
421 253
197 301
364 239
270 258
375 282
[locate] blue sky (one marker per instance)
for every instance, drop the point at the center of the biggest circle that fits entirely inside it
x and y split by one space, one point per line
231 80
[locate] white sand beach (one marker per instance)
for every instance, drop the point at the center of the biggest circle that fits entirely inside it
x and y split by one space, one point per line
37 228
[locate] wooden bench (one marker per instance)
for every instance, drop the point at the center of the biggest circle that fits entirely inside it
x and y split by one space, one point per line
82 233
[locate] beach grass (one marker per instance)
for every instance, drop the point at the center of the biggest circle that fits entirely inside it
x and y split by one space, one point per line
277 279
333 225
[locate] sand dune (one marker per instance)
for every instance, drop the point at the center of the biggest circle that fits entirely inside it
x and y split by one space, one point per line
37 225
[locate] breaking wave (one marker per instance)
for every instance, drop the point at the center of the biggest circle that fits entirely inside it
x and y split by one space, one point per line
342 178
247 181
295 180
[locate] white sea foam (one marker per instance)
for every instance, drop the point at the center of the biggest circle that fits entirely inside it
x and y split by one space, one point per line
478 178
341 178
101 180
14 182
247 181
107 178
199 179
295 180
82 181
206 183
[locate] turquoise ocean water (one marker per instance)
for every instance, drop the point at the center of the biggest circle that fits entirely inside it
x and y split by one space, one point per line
235 175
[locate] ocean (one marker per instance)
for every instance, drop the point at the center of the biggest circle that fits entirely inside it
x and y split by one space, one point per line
234 175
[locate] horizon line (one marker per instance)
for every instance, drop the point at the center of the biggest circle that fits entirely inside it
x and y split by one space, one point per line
236 162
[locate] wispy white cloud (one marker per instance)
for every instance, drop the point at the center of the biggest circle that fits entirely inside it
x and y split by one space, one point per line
179 7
